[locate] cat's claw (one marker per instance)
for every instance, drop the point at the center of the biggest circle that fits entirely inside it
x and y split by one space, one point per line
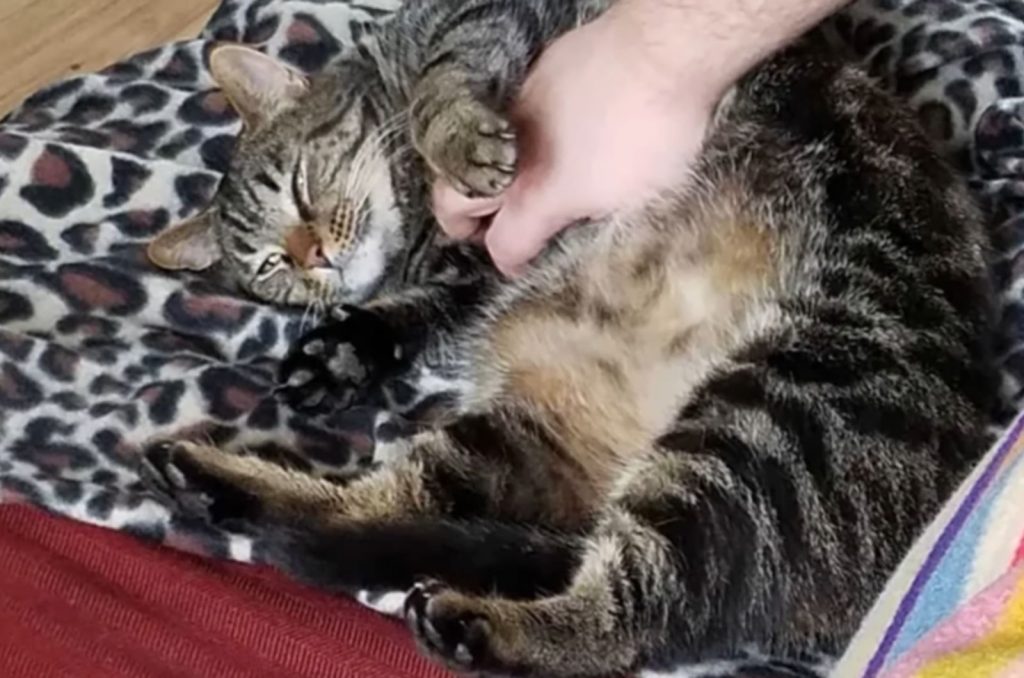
458 638
341 313
167 472
170 471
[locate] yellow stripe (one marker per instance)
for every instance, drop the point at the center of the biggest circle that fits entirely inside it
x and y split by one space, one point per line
984 659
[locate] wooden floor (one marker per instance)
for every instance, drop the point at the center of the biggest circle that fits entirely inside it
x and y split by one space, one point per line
42 40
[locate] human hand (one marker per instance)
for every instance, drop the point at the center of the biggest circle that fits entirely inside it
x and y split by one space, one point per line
601 127
616 111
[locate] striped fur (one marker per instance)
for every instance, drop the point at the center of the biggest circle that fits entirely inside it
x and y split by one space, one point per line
714 422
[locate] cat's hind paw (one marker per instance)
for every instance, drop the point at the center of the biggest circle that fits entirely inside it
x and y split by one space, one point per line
174 473
448 627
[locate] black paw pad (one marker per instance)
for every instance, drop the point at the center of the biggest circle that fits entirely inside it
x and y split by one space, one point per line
332 366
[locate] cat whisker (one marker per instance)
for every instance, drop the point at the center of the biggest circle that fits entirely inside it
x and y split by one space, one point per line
393 125
399 152
322 300
305 316
315 308
376 145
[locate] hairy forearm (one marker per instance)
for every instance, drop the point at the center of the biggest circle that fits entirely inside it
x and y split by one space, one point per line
717 39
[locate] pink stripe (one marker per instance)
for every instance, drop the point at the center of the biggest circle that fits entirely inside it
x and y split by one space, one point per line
941 545
972 623
1018 557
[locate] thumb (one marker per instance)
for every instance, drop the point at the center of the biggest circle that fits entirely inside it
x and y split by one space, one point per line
521 228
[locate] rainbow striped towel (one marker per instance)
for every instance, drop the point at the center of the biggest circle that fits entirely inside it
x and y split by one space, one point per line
955 607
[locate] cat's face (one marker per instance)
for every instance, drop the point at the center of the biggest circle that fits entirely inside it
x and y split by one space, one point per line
306 213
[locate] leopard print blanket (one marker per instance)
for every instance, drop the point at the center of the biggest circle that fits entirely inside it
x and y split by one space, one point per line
99 352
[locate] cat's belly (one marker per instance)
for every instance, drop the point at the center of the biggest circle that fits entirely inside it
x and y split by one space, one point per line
610 370
608 392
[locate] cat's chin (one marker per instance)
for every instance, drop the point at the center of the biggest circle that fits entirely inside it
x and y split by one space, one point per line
344 296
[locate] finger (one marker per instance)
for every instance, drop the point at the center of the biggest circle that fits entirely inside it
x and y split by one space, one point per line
459 216
480 237
521 228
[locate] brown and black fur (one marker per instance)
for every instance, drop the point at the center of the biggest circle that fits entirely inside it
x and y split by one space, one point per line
717 421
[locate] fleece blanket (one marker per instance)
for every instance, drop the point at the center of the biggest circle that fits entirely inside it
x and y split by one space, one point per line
955 607
99 352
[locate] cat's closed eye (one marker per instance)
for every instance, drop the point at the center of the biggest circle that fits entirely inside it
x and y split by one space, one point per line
300 193
271 264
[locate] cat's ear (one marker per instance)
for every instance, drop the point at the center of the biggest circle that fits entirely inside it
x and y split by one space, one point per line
258 86
189 246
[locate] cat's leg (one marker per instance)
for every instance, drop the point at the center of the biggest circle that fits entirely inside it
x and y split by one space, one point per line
761 517
479 521
222 488
472 59
487 556
685 566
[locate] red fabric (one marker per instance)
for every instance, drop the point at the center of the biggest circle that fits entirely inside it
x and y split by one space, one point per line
77 600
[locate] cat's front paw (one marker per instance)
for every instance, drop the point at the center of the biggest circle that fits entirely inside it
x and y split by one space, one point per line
452 630
332 366
469 145
174 472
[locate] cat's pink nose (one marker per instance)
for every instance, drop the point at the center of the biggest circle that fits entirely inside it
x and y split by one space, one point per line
305 248
315 257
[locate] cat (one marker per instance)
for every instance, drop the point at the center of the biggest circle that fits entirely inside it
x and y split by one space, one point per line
716 421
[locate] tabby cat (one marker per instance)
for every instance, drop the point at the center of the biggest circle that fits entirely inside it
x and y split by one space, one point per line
716 421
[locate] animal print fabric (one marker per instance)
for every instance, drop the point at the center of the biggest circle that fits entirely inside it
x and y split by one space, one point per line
99 352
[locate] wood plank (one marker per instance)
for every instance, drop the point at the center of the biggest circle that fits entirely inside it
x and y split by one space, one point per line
44 40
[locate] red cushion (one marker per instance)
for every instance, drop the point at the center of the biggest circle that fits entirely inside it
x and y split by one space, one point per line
77 600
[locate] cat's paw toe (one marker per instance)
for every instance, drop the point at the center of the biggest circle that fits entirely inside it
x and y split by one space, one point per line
320 373
157 471
305 388
490 156
330 365
173 474
450 631
169 473
471 147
